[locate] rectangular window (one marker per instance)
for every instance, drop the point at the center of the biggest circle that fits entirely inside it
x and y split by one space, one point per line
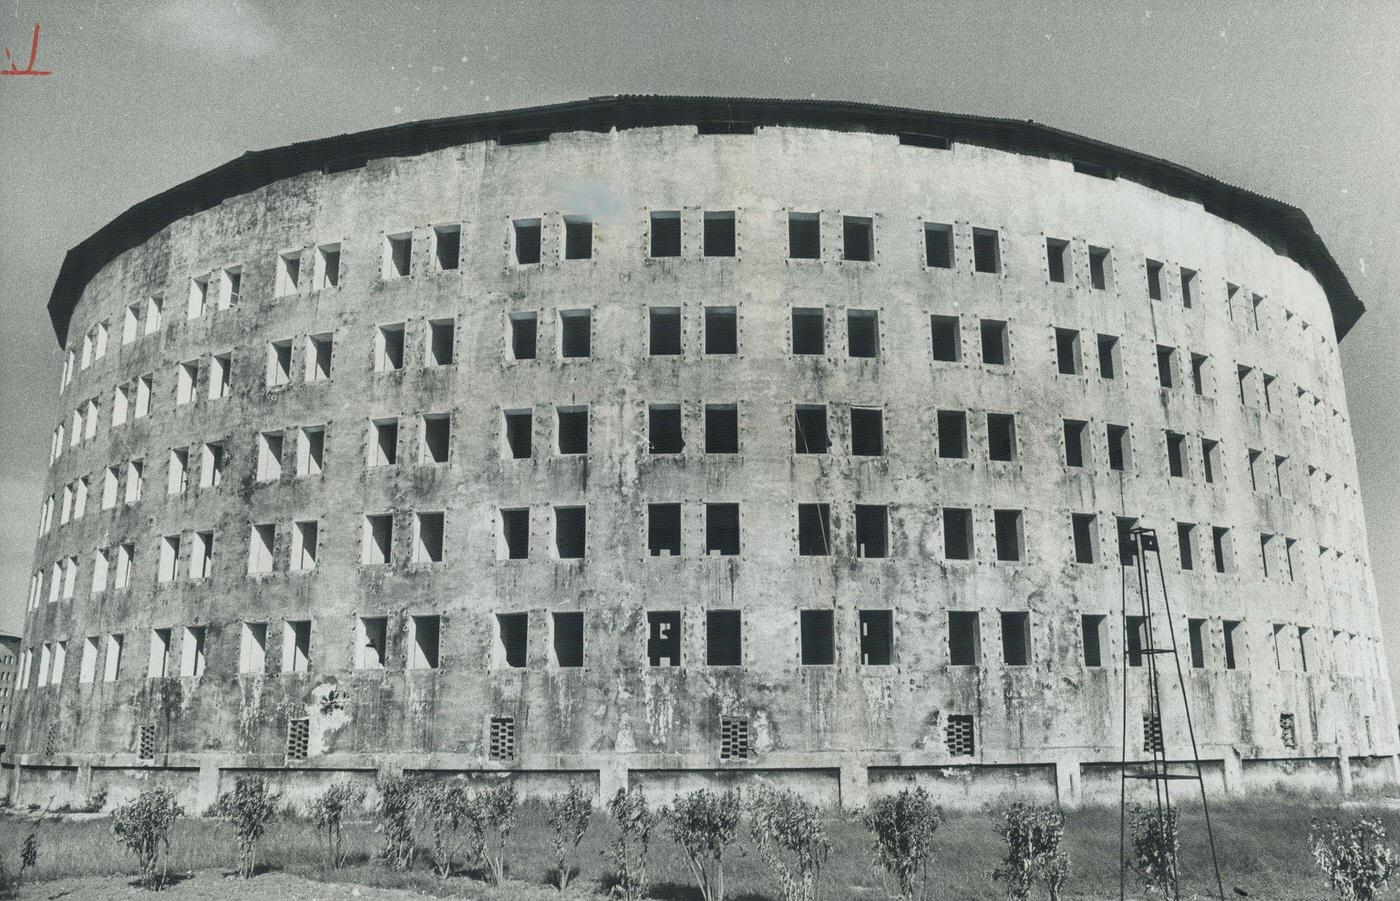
1210 459
1091 627
519 433
154 307
986 250
666 233
305 536
523 327
1056 255
1195 631
1127 546
279 363
1109 364
1253 462
575 334
1119 447
1010 535
1231 629
1100 268
447 247
111 664
964 638
721 530
441 342
388 348
996 342
721 331
1279 464
186 380
1154 280
1242 375
663 638
571 430
872 531
1067 357
957 533
425 633
938 245
1268 386
515 534
202 556
261 542
664 435
1135 632
1266 543
947 339
178 472
110 480
1166 366
570 532
1015 638
1220 544
121 403
665 331
857 239
876 637
325 270
230 287
1176 461
1076 442
383 447
664 530
721 429
398 256
220 377
371 642
867 432
1198 374
818 637
192 652
804 236
1188 287
724 644
288 274
952 434
436 431
863 333
296 646
813 530
131 323
808 330
311 450
1288 544
567 639
527 241
719 234
158 666
810 431
1086 537
1001 437
578 238
377 540
143 396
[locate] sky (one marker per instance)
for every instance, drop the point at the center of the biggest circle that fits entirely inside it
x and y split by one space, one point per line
1297 101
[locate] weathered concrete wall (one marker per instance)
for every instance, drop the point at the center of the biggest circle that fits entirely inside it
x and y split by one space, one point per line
618 719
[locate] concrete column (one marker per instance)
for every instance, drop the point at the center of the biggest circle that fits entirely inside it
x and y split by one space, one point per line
206 790
1067 778
82 783
855 785
612 775
1231 771
1344 770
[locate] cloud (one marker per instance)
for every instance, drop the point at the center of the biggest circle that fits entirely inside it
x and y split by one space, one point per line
222 29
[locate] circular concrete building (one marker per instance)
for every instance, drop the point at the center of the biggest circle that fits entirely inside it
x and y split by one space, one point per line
667 440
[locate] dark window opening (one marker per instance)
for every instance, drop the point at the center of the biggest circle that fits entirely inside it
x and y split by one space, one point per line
1127 545
863 333
522 335
811 434
808 330
1220 545
519 433
514 631
1015 638
568 639
1056 252
804 236
986 250
872 531
1091 627
570 532
814 530
818 637
938 245
1154 280
947 339
724 644
576 339
1136 635
664 429
857 239
1230 627
964 638
721 529
1009 534
1001 437
721 330
578 238
665 331
1195 631
427 636
957 533
437 438
719 234
572 430
1099 271
515 529
876 637
1118 447
1108 356
666 234
447 246
664 530
867 432
1208 450
1175 464
1185 544
1188 287
1085 542
663 638
1198 368
1165 359
527 241
952 434
441 335
1076 434
721 429
400 258
996 342
1067 351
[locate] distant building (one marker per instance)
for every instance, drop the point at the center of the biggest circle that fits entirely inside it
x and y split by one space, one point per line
9 664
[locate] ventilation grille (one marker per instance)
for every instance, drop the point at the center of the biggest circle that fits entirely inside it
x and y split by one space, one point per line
960 740
146 742
298 738
734 740
1288 730
502 743
1152 734
51 740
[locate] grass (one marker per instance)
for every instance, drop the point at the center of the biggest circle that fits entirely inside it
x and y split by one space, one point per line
1262 845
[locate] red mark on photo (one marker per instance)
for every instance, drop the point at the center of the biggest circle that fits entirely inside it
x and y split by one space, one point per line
33 52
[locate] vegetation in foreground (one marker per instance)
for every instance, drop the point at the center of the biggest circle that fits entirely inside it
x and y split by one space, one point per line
450 838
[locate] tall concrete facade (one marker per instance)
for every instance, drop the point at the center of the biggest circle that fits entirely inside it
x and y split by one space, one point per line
669 440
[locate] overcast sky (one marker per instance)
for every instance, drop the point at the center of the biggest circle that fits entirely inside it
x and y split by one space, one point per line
1294 101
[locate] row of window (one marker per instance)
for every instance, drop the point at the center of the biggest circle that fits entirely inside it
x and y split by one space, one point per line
1210 644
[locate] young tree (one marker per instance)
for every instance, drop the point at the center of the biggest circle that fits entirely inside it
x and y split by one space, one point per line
1355 857
250 807
1034 850
903 826
1155 849
495 810
628 854
144 826
790 838
394 820
703 824
444 807
328 812
569 814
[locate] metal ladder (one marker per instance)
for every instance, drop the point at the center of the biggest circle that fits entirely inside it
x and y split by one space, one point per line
1139 543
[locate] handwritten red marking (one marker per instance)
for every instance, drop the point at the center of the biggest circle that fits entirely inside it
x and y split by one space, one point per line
33 52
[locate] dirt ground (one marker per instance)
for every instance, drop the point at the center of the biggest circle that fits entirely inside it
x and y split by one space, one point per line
213 885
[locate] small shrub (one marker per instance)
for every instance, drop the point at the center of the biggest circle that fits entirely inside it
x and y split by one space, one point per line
328 813
1354 855
1155 849
95 801
903 826
494 818
394 820
144 826
790 838
1034 851
28 858
569 814
703 824
249 807
444 806
628 853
